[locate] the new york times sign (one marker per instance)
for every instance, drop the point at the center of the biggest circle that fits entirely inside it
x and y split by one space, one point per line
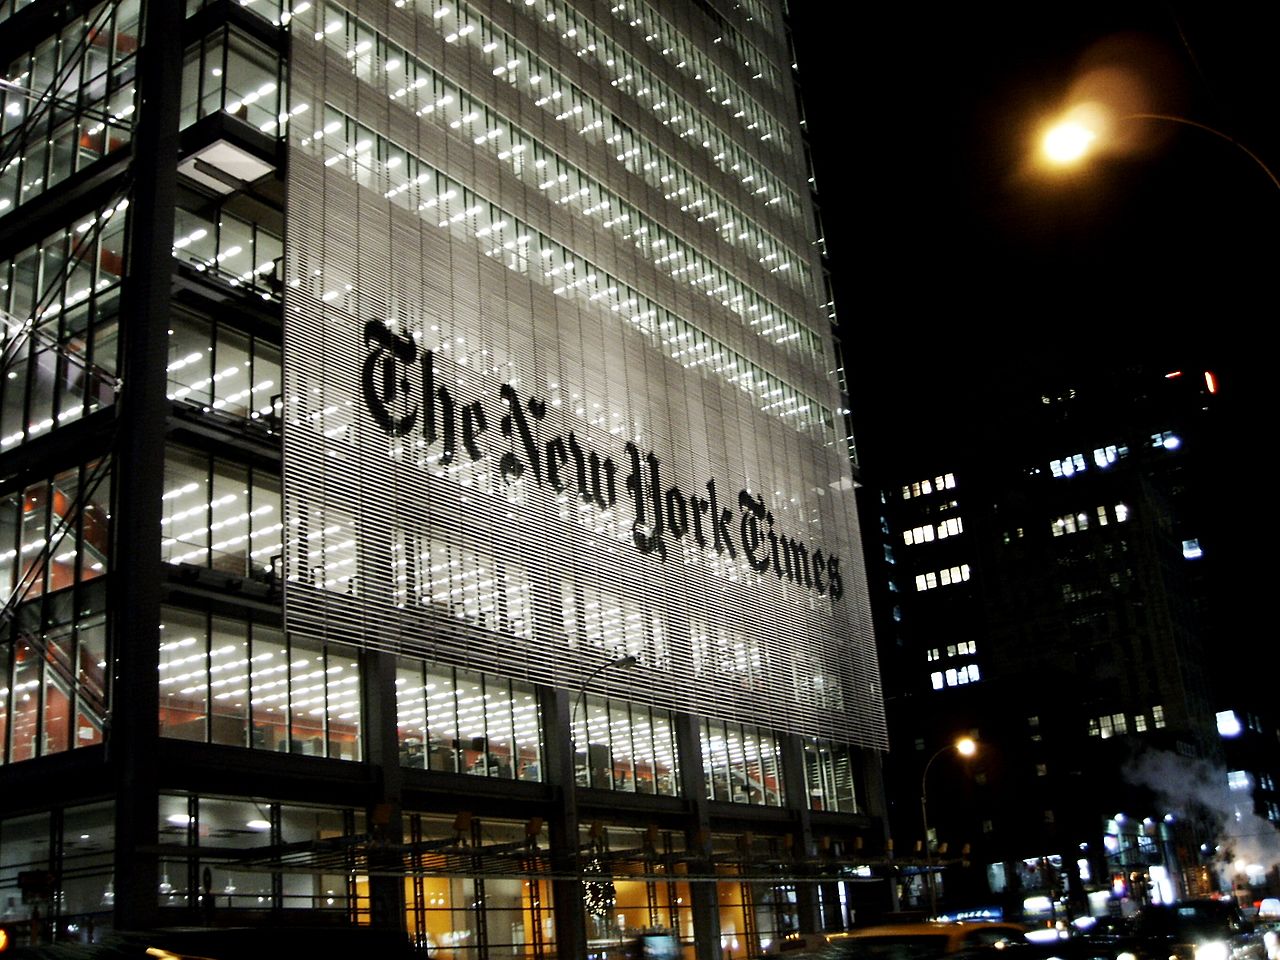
400 388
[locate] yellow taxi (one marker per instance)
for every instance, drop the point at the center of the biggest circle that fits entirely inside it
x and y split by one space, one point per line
917 941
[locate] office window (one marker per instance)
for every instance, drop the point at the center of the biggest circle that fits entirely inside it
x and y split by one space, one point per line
1157 716
62 367
625 746
220 515
68 102
53 674
232 682
228 72
1238 780
457 722
741 764
208 826
215 368
829 774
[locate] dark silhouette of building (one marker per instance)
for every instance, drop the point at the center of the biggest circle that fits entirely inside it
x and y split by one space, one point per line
1060 578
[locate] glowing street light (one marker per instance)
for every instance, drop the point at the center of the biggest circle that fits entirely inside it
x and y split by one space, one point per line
966 747
1091 127
1067 142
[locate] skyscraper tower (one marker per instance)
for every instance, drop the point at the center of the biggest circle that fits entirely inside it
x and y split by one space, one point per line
426 497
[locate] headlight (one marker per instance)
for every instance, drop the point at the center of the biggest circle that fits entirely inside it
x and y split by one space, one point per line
1213 950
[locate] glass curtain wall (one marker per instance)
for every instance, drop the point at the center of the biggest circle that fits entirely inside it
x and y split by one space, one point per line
240 684
453 721
625 746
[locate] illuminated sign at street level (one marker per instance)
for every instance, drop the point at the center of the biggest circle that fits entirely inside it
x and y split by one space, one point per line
564 461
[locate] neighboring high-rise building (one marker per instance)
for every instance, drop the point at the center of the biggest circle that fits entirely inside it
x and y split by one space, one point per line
1062 581
426 497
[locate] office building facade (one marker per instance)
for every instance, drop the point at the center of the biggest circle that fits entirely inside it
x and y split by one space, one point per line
428 501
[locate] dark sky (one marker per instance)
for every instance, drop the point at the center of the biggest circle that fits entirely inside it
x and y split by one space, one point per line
955 262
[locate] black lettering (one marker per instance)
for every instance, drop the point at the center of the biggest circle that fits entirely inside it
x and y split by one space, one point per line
819 565
833 571
557 457
429 396
752 535
796 560
699 507
720 520
473 424
514 422
380 392
647 541
773 546
677 513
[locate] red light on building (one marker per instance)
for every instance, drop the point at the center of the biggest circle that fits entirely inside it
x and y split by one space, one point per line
1210 382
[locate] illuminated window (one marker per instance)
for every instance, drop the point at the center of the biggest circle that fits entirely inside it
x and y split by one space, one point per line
829 772
1238 780
1166 439
919 535
1157 716
933 654
220 515
936 680
232 682
458 722
742 764
1119 721
1229 724
1140 723
1105 727
950 527
1122 513
1191 549
945 481
1105 456
1068 466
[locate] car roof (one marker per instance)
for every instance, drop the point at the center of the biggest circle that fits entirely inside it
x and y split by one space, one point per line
929 928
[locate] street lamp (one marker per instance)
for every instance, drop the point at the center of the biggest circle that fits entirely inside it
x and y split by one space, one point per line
1086 127
966 747
628 661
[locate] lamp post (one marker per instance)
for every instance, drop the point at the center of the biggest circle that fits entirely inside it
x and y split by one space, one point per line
1084 129
966 747
628 661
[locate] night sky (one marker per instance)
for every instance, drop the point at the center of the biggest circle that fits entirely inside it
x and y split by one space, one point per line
955 262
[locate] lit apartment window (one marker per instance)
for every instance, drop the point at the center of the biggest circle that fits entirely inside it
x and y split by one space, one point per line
1191 549
1068 466
933 654
950 527
1229 724
1122 513
1238 780
1106 730
945 481
919 535
1140 723
1105 456
1157 716
956 676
